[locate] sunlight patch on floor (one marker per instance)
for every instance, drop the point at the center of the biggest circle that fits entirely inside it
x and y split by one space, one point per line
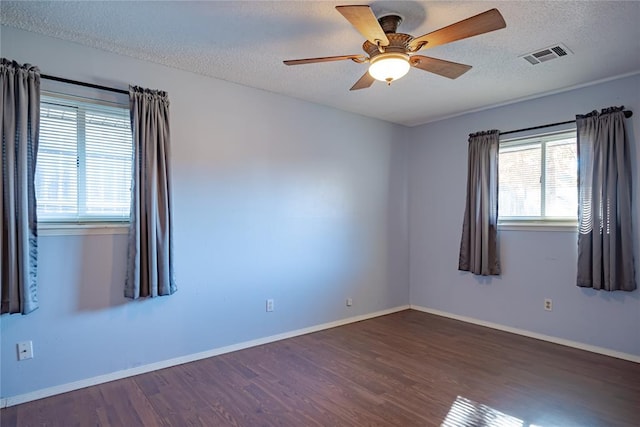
467 413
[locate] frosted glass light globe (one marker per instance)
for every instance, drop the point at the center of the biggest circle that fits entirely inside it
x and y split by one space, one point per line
388 67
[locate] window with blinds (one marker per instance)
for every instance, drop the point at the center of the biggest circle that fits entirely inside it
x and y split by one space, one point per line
83 168
538 178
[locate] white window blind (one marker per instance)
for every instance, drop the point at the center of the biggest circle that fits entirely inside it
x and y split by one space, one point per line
83 169
538 178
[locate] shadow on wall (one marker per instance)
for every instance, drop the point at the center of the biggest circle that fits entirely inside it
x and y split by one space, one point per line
617 296
102 272
480 280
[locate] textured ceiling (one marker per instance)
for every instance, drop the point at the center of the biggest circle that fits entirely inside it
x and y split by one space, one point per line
246 41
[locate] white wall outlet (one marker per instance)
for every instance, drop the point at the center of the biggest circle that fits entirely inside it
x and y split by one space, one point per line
25 350
349 302
269 305
548 304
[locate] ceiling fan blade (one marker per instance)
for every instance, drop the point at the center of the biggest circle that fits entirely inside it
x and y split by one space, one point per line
362 17
364 82
449 69
357 58
485 22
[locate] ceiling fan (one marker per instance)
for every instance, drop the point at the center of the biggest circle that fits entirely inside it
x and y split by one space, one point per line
392 54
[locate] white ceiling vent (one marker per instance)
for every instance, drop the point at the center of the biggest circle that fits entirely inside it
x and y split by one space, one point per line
547 54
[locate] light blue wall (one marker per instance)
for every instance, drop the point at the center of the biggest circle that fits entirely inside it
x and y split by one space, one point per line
536 265
273 198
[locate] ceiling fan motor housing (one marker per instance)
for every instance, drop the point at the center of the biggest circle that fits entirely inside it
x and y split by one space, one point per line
398 43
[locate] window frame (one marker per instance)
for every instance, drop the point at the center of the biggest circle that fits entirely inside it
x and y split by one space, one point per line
84 226
537 223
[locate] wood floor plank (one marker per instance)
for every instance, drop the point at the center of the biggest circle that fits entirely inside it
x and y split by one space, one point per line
405 369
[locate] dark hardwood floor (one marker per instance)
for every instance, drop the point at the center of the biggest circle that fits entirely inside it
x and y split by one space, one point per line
404 369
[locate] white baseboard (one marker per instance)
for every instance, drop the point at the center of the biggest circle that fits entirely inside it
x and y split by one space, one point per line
76 385
523 332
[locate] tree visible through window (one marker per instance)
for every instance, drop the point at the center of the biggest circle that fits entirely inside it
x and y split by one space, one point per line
83 169
538 178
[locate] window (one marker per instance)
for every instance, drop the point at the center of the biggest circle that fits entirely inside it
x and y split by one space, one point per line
538 179
83 169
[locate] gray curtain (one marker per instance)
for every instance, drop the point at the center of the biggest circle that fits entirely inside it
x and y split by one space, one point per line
478 246
20 122
150 258
605 238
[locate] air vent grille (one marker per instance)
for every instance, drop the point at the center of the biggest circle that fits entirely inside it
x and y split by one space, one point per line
559 50
547 54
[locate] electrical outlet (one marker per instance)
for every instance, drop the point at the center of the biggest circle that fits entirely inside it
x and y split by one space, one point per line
269 305
548 304
349 302
25 350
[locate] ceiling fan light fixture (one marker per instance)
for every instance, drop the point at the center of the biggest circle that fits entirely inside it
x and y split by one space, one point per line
388 67
391 54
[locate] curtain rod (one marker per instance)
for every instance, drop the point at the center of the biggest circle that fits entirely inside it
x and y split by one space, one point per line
627 114
91 85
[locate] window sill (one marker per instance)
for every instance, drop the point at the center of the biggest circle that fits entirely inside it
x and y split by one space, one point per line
571 226
58 229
